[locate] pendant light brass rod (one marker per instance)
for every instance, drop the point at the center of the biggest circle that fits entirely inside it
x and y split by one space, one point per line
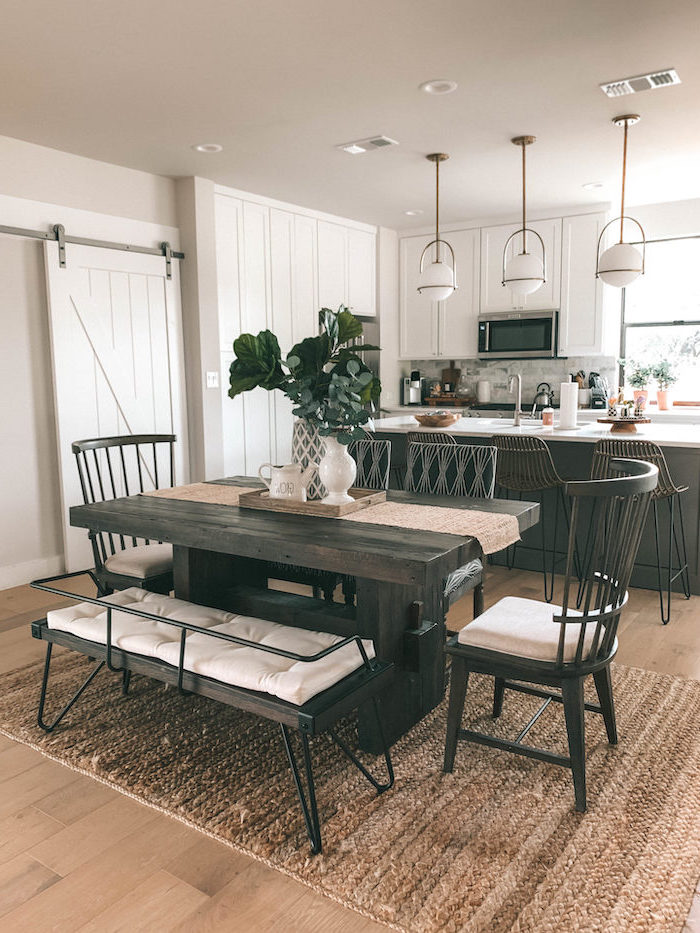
524 202
624 173
437 210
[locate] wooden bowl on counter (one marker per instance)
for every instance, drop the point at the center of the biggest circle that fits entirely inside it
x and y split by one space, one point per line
438 420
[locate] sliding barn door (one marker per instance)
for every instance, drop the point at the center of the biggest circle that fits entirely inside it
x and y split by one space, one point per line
116 337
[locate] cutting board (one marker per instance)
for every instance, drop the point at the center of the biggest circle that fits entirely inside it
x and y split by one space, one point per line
451 375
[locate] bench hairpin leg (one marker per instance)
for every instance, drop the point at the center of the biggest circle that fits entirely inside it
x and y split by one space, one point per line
126 680
309 808
49 727
378 785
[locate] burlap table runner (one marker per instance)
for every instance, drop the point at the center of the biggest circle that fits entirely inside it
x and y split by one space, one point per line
493 531
203 492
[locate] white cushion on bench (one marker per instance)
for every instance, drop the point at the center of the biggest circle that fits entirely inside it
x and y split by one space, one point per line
144 560
142 636
294 681
525 628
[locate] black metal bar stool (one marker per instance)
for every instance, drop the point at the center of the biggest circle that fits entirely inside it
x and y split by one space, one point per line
609 448
524 465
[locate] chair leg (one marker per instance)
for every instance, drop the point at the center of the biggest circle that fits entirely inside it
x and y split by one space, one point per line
49 727
309 806
499 690
664 585
682 551
349 589
316 592
603 686
458 690
478 598
572 694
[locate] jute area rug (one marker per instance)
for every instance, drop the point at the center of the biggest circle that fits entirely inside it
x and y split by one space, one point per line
494 846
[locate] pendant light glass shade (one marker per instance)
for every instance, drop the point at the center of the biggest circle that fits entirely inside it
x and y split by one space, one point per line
437 279
524 272
619 265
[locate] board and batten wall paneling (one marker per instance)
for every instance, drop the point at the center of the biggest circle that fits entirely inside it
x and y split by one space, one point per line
276 266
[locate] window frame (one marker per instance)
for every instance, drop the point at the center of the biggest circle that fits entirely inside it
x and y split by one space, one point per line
675 323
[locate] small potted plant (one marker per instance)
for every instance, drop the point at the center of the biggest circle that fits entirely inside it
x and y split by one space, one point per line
665 377
328 381
638 378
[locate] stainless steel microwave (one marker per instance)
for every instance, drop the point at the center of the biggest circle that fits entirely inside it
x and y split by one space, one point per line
518 335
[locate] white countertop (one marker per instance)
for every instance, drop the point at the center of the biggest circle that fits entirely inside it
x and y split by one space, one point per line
665 434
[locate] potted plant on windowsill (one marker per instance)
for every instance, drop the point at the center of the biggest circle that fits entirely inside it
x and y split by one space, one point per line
665 377
638 378
325 378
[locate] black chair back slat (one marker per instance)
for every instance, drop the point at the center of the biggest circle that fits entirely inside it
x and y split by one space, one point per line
619 509
102 479
373 459
451 469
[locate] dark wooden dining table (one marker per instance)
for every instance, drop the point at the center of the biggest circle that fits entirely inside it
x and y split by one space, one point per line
222 556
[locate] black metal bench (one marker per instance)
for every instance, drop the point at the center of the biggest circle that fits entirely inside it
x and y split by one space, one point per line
317 715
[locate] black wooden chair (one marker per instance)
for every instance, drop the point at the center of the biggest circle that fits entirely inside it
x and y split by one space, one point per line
373 459
608 448
110 467
527 645
454 470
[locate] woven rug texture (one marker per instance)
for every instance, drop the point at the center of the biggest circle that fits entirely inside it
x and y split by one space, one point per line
495 846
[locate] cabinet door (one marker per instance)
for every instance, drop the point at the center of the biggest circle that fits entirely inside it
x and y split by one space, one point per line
494 295
581 317
305 304
362 247
418 315
332 265
457 316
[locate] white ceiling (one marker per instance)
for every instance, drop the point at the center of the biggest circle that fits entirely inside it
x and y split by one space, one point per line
280 83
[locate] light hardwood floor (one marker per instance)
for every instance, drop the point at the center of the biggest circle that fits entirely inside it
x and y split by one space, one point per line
75 855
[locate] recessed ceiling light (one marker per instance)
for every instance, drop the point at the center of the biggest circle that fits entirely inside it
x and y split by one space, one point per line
438 86
592 185
367 145
413 213
353 148
207 147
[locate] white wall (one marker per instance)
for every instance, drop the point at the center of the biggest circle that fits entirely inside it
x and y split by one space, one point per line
676 218
390 368
92 199
41 174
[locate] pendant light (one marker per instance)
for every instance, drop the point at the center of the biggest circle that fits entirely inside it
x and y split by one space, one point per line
437 279
622 263
524 272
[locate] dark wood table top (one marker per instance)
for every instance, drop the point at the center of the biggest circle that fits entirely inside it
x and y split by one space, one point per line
372 551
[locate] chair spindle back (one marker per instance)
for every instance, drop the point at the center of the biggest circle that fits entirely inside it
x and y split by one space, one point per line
451 469
373 459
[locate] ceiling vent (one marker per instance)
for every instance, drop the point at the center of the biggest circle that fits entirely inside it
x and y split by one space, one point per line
367 145
647 82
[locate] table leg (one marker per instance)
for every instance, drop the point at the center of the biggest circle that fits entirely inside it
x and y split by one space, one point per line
205 577
384 614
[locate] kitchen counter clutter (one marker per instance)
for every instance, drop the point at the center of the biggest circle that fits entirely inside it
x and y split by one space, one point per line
588 432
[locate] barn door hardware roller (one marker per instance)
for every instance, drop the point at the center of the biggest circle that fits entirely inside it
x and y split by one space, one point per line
60 232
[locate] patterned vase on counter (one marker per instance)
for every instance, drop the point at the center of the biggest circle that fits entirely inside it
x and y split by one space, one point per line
337 471
308 447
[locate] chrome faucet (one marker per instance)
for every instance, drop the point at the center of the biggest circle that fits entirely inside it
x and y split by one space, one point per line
517 379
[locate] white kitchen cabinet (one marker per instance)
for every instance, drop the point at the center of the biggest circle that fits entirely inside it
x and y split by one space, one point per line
581 330
444 329
497 297
346 268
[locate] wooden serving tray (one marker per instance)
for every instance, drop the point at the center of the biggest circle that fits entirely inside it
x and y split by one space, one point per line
260 499
624 425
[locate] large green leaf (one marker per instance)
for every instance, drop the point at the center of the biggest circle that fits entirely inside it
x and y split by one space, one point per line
313 354
348 326
257 363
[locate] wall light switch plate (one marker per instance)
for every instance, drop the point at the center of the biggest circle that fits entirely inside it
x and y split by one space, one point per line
212 380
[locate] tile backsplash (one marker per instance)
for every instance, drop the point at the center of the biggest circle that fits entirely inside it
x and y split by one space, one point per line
532 371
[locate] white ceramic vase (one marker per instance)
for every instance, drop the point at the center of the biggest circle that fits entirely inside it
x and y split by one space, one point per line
337 471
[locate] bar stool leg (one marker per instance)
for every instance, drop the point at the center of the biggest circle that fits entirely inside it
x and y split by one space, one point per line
682 552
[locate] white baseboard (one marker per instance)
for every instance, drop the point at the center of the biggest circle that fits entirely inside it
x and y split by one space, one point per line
17 574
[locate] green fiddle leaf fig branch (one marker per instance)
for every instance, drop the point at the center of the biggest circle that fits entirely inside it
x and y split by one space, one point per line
327 380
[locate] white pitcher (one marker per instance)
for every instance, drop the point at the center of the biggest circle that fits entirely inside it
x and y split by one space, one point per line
288 481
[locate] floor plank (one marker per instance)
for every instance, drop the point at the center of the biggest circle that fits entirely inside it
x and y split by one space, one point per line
24 829
21 879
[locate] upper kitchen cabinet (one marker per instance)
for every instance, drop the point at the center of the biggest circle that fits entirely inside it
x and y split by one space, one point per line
444 329
497 297
346 268
581 330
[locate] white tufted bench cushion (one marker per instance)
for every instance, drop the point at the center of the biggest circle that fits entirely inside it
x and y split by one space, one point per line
144 560
131 633
524 627
294 681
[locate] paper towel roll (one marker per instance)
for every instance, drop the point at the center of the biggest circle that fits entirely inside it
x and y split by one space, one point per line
568 404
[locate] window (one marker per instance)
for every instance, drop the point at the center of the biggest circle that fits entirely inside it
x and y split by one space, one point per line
661 315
